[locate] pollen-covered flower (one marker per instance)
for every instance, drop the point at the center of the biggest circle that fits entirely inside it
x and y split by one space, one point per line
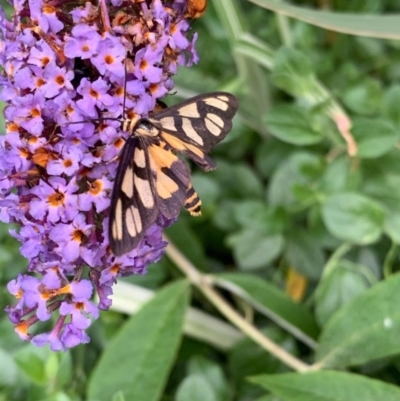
68 72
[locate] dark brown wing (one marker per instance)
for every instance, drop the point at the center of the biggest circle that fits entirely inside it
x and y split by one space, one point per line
134 201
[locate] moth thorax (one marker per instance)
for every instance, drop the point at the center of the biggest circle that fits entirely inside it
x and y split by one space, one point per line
129 124
146 129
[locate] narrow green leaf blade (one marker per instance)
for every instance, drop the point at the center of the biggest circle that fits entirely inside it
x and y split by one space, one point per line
327 386
367 328
138 359
375 26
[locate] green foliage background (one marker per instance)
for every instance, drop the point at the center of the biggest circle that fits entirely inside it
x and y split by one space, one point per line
298 244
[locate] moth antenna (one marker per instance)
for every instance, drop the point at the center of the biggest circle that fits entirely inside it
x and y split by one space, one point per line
123 103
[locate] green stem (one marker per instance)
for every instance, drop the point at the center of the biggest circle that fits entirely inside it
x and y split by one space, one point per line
284 29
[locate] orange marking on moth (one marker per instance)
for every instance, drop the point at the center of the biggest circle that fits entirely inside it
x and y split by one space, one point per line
163 158
181 145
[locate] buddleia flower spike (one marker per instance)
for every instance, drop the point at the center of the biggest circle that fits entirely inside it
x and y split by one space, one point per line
70 74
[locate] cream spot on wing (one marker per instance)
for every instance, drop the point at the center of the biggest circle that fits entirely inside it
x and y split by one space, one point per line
190 131
189 111
224 98
136 217
127 183
144 190
165 185
117 223
140 159
216 119
168 123
216 102
130 222
214 129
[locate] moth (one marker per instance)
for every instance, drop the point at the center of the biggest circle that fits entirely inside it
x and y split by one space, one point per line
151 179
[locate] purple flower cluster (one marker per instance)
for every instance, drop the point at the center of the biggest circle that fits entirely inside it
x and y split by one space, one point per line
64 73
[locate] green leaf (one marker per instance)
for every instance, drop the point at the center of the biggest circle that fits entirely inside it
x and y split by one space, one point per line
270 154
213 374
392 226
272 302
259 216
339 176
374 137
338 288
365 98
367 328
375 26
195 388
353 217
248 358
270 397
207 189
254 249
32 362
139 358
8 369
248 182
297 170
238 180
391 104
304 254
327 386
291 123
183 236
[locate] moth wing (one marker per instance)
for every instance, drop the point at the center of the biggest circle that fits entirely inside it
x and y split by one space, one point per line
172 179
134 203
194 126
